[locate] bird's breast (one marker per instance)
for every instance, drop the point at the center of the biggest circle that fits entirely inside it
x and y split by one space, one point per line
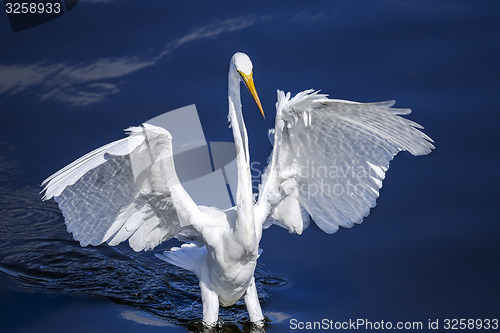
231 282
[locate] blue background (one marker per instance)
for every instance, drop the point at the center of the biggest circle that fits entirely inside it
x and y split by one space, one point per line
430 248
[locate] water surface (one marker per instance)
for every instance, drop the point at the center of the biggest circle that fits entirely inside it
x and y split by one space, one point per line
429 250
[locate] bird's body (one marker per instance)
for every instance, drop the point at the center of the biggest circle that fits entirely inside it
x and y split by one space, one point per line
328 162
221 264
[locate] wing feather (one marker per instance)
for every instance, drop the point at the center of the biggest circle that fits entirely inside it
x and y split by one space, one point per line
125 190
336 152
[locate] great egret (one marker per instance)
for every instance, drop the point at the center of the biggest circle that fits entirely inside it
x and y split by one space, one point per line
328 161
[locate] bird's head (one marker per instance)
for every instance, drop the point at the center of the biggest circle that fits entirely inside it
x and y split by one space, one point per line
242 65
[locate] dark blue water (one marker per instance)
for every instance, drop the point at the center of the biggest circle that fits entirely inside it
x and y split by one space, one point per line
430 248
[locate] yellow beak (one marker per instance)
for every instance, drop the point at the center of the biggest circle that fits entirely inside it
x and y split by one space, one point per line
248 79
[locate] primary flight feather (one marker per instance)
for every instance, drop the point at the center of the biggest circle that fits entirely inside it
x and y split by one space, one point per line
328 162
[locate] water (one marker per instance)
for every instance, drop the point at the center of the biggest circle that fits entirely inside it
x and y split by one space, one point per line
429 250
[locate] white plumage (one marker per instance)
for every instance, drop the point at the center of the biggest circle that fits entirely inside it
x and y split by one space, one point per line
328 161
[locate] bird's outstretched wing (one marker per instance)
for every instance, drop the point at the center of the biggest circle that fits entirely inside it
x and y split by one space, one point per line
127 189
329 158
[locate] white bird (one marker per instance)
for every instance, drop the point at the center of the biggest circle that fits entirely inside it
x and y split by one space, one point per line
328 161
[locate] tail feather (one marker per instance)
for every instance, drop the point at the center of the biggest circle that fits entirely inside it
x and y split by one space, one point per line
188 256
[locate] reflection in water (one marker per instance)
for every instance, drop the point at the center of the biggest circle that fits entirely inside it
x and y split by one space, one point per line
38 253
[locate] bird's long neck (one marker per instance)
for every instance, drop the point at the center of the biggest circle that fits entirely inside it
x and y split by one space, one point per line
245 226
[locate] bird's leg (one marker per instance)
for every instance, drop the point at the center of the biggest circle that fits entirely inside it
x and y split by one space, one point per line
253 305
210 306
